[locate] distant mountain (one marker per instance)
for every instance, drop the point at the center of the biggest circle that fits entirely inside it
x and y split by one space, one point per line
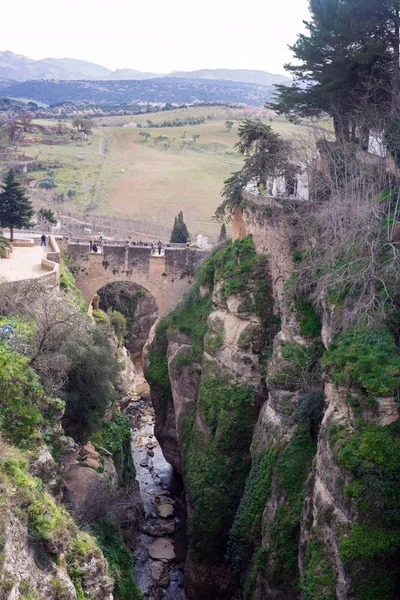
163 89
16 67
244 75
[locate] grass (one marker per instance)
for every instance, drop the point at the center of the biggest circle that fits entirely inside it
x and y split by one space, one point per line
128 177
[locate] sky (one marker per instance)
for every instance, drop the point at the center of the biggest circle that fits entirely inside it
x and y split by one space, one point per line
157 35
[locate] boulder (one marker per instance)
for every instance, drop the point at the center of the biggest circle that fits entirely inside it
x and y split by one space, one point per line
162 549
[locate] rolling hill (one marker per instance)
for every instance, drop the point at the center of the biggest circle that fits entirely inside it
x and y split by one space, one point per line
17 67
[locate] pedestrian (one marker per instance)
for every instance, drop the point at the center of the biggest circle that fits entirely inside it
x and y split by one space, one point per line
43 238
94 248
90 245
159 246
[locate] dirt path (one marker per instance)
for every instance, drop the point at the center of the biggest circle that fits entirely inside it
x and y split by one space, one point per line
25 263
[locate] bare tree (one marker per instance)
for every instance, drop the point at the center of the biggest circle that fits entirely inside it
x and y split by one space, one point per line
25 117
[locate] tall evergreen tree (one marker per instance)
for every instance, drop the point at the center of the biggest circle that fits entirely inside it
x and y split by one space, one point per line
16 209
222 233
180 233
345 65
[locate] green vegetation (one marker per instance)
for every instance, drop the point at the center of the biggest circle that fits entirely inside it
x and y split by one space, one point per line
371 548
90 385
120 560
302 369
50 526
232 264
67 285
245 535
16 209
310 323
115 436
366 359
24 407
216 468
180 233
121 297
319 581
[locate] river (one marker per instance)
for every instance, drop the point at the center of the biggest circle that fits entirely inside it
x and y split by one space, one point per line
162 544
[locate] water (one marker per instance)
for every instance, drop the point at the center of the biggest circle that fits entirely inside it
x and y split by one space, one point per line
161 492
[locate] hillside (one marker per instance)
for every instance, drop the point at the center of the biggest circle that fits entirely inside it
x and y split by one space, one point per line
164 89
16 67
243 75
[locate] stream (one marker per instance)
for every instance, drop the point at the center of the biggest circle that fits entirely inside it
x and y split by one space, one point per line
162 544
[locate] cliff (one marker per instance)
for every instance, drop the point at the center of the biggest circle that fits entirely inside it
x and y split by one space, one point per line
282 421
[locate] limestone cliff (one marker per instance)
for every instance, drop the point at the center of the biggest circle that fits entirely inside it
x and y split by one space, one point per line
288 449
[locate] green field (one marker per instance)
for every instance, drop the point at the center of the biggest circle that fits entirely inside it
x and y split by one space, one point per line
120 174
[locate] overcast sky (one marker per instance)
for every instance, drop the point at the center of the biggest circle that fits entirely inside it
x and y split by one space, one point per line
157 35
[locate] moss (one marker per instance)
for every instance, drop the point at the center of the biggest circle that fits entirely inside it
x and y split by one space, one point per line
80 549
319 580
115 436
24 406
371 548
245 534
216 466
368 360
303 367
309 323
292 469
120 560
99 316
68 286
231 263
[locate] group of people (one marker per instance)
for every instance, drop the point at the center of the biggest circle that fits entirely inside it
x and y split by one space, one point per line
96 246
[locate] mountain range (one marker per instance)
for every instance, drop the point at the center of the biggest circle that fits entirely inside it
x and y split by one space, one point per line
16 67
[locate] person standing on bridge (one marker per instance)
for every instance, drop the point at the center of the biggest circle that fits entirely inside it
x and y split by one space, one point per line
159 246
43 238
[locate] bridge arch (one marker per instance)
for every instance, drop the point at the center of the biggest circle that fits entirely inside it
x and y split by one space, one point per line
166 277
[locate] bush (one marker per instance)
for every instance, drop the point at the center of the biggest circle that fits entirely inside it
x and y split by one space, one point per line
120 560
47 183
369 360
90 386
23 402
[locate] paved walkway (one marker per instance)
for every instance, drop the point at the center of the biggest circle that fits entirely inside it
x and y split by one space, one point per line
25 263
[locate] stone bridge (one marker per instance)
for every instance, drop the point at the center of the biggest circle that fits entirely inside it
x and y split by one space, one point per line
166 277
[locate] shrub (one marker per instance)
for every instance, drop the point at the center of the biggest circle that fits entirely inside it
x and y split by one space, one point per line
47 183
90 385
369 360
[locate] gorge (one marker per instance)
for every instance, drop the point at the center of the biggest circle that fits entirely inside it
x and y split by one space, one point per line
278 419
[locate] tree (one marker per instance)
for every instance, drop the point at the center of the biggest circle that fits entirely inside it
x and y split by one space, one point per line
266 157
222 233
180 234
145 134
16 209
46 217
82 125
229 125
195 136
345 65
25 116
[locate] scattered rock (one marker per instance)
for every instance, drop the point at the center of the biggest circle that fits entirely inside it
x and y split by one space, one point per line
144 462
165 510
150 453
158 528
160 573
92 462
162 549
89 451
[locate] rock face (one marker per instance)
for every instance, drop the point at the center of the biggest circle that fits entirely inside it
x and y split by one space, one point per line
285 491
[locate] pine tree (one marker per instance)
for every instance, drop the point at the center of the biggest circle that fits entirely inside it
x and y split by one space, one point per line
344 65
179 234
222 233
16 209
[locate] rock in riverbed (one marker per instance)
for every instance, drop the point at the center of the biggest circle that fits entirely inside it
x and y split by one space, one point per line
162 549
